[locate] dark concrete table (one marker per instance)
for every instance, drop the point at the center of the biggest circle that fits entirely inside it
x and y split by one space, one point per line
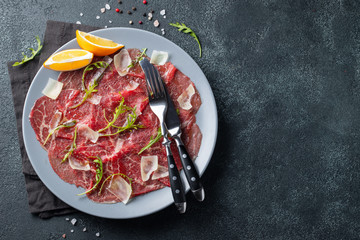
286 78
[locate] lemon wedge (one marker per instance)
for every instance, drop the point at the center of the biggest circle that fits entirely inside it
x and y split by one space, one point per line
68 60
97 45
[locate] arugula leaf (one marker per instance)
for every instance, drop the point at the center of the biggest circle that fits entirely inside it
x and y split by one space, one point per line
33 53
112 175
98 176
119 110
138 58
152 141
91 89
67 124
183 28
130 123
72 147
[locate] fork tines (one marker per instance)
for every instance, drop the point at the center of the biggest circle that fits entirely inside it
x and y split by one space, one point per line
155 84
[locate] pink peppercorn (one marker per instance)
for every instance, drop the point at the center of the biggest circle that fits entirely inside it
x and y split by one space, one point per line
144 2
117 10
140 22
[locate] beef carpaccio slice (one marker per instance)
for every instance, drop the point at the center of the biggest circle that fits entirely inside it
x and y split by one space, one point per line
119 153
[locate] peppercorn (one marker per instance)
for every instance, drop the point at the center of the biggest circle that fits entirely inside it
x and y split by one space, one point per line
129 12
119 1
121 11
117 10
144 14
133 8
152 11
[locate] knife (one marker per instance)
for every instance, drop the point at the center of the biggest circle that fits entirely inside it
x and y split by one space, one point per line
173 125
158 104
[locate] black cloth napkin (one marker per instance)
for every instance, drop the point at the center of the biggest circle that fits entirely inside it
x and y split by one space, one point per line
42 202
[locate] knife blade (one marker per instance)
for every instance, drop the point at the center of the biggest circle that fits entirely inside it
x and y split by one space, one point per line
173 125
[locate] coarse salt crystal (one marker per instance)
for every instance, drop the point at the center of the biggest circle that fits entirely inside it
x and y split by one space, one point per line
162 29
156 23
72 230
78 22
150 14
162 12
67 219
81 14
73 221
84 229
163 33
107 6
110 21
164 16
97 234
97 17
102 10
105 26
149 18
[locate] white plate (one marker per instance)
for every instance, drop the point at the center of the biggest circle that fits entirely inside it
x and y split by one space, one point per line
150 202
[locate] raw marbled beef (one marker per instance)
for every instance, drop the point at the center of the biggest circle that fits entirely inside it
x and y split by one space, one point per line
119 153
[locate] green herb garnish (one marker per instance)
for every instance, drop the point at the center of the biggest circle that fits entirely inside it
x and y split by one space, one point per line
130 122
98 176
112 175
71 148
33 53
119 110
152 141
67 124
183 28
91 89
138 58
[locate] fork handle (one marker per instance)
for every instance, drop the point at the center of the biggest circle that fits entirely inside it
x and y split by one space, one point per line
191 173
177 188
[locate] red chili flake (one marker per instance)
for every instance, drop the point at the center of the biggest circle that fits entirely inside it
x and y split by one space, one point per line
117 10
144 2
140 22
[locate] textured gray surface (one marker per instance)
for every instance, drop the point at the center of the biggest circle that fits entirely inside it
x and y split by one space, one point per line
285 76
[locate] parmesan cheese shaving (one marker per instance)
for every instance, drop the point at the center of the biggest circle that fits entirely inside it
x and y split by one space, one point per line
120 188
132 85
121 61
184 99
159 57
87 132
53 88
148 165
78 165
100 71
95 99
160 172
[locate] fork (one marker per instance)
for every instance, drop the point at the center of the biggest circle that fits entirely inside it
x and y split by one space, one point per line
158 104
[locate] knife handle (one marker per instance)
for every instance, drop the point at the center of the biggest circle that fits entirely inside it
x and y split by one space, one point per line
177 188
191 173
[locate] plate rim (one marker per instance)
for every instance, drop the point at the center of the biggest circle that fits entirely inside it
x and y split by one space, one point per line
95 32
